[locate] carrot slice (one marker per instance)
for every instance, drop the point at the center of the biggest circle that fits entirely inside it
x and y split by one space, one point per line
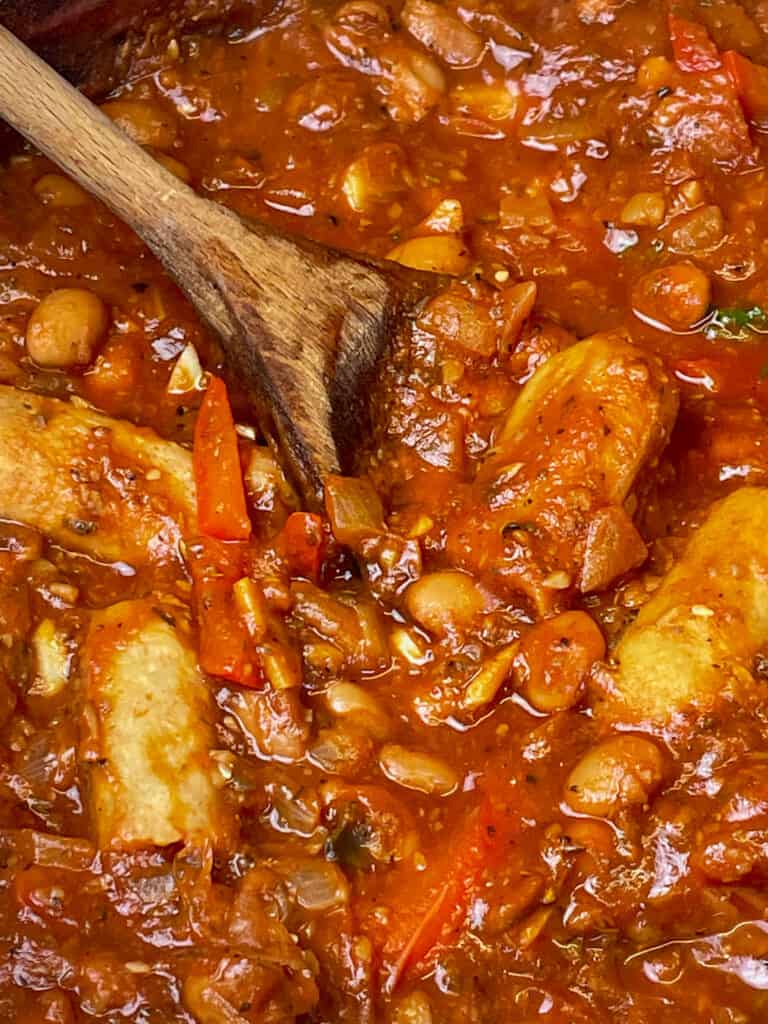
477 848
224 647
221 509
302 543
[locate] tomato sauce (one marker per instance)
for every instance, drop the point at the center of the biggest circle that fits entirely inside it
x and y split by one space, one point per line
484 739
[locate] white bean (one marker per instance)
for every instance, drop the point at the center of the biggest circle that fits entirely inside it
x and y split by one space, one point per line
353 701
416 770
619 771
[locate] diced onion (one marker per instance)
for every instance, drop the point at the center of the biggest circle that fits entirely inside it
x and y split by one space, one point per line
489 678
187 374
317 885
294 809
343 750
447 218
408 644
52 660
440 254
354 509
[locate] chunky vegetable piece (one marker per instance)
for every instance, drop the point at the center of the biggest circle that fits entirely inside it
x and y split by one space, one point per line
221 508
751 82
569 452
224 648
555 659
676 296
482 739
94 484
692 48
147 732
692 645
478 848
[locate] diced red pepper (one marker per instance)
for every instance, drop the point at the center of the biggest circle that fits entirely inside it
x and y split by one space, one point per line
224 647
692 48
221 509
302 542
478 848
750 81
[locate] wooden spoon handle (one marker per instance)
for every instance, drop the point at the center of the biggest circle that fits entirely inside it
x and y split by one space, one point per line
301 324
256 288
83 141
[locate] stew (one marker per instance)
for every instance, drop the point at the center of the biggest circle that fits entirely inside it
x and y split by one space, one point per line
486 738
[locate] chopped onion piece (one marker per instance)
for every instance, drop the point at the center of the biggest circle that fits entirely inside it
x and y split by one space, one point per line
249 601
447 218
488 679
295 809
187 374
354 509
245 430
317 885
52 660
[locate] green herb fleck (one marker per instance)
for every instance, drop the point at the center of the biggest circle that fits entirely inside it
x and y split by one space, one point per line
736 323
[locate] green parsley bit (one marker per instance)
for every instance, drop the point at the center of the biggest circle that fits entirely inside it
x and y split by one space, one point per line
736 323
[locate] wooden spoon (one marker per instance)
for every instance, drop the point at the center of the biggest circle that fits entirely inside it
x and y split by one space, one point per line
302 325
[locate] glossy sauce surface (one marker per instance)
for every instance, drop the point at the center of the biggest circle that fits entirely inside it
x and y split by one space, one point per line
437 791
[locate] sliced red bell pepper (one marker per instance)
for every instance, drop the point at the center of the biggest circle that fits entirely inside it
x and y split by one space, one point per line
224 647
438 919
692 47
750 81
221 509
302 542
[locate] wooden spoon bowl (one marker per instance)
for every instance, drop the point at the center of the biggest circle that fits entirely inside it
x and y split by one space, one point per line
302 326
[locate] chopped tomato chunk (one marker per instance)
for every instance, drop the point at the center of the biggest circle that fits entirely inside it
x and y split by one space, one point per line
692 48
750 81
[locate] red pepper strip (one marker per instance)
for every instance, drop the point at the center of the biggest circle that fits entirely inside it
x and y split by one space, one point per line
224 649
750 81
221 508
302 543
692 48
478 847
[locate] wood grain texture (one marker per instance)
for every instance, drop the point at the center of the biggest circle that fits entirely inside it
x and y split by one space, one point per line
302 326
